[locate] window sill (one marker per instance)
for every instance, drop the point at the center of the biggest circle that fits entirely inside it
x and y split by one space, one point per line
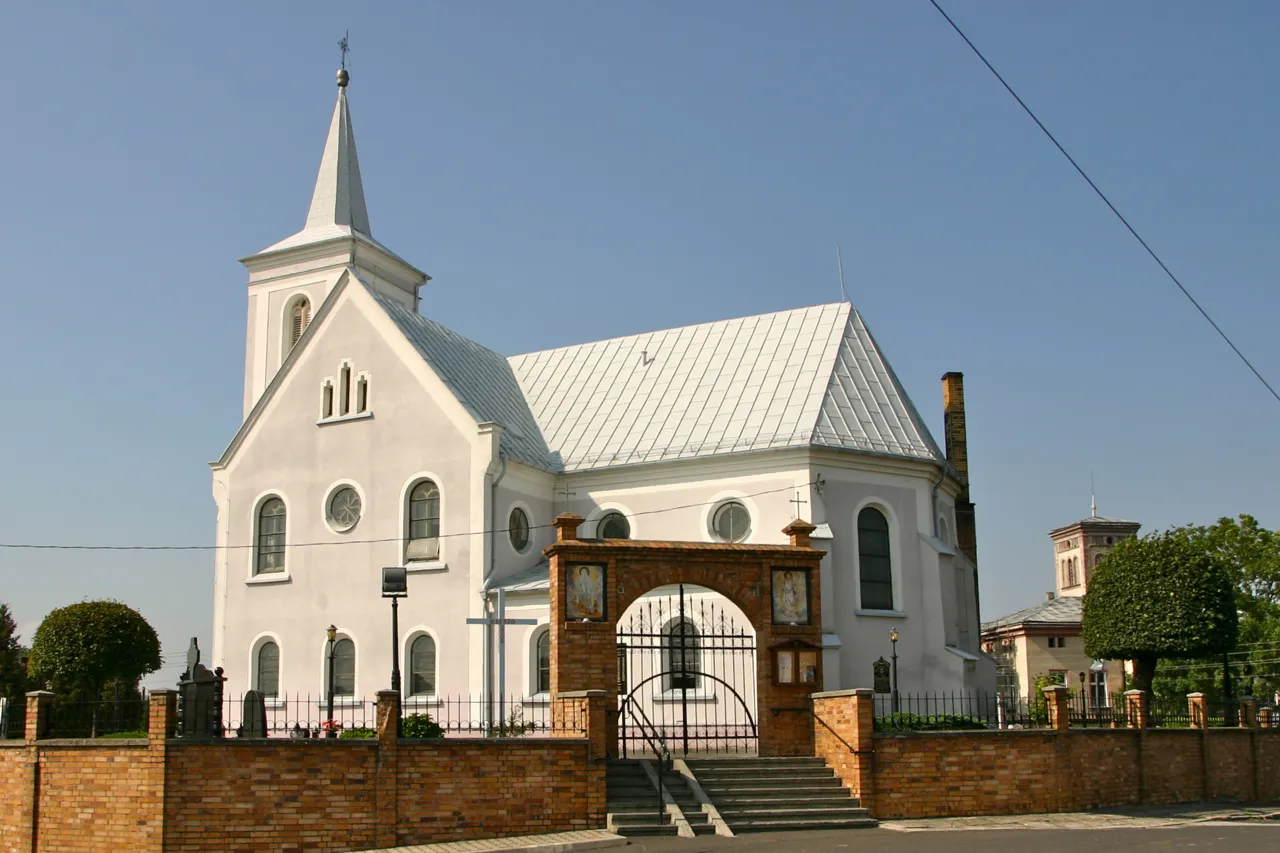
881 614
538 699
668 696
416 701
342 419
341 702
269 578
274 703
426 566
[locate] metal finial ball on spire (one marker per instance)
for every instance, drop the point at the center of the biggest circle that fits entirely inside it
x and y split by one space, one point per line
343 78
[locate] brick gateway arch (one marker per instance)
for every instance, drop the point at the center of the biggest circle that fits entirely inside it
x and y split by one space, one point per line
593 581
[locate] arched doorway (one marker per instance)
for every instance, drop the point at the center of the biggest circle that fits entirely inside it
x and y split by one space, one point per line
594 582
686 675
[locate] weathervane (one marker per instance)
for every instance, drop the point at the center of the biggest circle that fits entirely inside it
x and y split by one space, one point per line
345 46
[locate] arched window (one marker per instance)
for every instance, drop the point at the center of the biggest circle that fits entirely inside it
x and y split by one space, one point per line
1097 558
424 522
682 656
271 523
875 570
613 525
299 319
731 522
422 667
268 680
943 533
344 668
1072 578
542 662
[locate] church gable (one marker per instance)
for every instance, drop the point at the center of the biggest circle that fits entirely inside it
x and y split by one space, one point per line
480 379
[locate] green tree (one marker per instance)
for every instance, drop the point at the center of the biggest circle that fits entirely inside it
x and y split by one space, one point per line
1251 554
13 669
1166 595
79 649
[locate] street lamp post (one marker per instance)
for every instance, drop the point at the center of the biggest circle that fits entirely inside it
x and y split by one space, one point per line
395 586
893 638
332 633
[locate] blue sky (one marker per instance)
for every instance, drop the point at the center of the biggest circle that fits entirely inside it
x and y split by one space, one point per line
572 171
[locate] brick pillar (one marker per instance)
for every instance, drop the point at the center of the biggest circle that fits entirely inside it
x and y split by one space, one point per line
1266 718
566 525
1055 697
162 716
39 706
843 731
799 531
1248 712
1196 710
1135 706
387 783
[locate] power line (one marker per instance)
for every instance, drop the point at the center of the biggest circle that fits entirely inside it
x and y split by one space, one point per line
1107 201
50 547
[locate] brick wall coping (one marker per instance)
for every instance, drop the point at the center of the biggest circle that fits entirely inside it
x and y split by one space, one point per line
12 742
581 694
493 741
93 742
297 743
973 732
836 694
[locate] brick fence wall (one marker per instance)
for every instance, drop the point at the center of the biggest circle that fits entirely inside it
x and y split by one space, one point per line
235 796
943 774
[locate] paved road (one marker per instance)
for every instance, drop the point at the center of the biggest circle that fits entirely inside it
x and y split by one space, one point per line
1216 838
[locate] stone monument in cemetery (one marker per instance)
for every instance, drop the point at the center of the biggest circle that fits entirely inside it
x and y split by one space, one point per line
199 698
255 715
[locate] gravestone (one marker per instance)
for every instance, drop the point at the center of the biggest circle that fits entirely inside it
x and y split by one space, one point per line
199 698
880 676
255 715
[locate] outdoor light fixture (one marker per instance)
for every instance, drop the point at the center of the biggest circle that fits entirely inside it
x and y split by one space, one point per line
395 586
332 633
893 638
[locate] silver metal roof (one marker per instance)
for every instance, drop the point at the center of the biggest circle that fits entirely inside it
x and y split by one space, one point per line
809 376
1063 610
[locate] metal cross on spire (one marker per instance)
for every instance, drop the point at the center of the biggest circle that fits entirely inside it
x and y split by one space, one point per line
344 45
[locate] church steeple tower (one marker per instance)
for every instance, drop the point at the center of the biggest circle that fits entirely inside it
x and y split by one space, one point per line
290 279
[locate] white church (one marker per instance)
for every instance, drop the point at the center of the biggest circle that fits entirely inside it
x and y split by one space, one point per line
374 436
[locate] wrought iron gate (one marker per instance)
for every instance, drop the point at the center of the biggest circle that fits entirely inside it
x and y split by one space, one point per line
686 672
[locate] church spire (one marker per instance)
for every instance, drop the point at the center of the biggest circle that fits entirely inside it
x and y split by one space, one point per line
338 198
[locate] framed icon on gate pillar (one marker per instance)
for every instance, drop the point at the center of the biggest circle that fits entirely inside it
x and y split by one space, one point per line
584 592
790 594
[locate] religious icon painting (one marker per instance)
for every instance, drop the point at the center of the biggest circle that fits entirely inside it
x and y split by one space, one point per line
584 596
791 597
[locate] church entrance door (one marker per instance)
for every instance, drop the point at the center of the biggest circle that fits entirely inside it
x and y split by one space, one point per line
686 675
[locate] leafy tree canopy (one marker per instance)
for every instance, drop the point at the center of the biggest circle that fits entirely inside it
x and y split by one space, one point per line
1251 554
78 650
13 670
1166 595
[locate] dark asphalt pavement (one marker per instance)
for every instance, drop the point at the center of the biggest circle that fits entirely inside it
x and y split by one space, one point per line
1216 839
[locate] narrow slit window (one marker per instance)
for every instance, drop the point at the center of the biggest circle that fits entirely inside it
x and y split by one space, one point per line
346 389
327 407
362 394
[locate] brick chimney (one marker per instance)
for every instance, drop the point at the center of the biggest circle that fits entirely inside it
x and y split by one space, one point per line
957 441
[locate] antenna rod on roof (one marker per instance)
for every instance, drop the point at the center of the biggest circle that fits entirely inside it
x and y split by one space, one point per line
1093 497
844 297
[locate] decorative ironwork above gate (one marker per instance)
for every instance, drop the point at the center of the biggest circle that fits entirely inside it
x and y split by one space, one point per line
687 670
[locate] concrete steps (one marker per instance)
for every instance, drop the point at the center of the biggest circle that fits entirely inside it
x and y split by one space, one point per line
775 794
632 802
